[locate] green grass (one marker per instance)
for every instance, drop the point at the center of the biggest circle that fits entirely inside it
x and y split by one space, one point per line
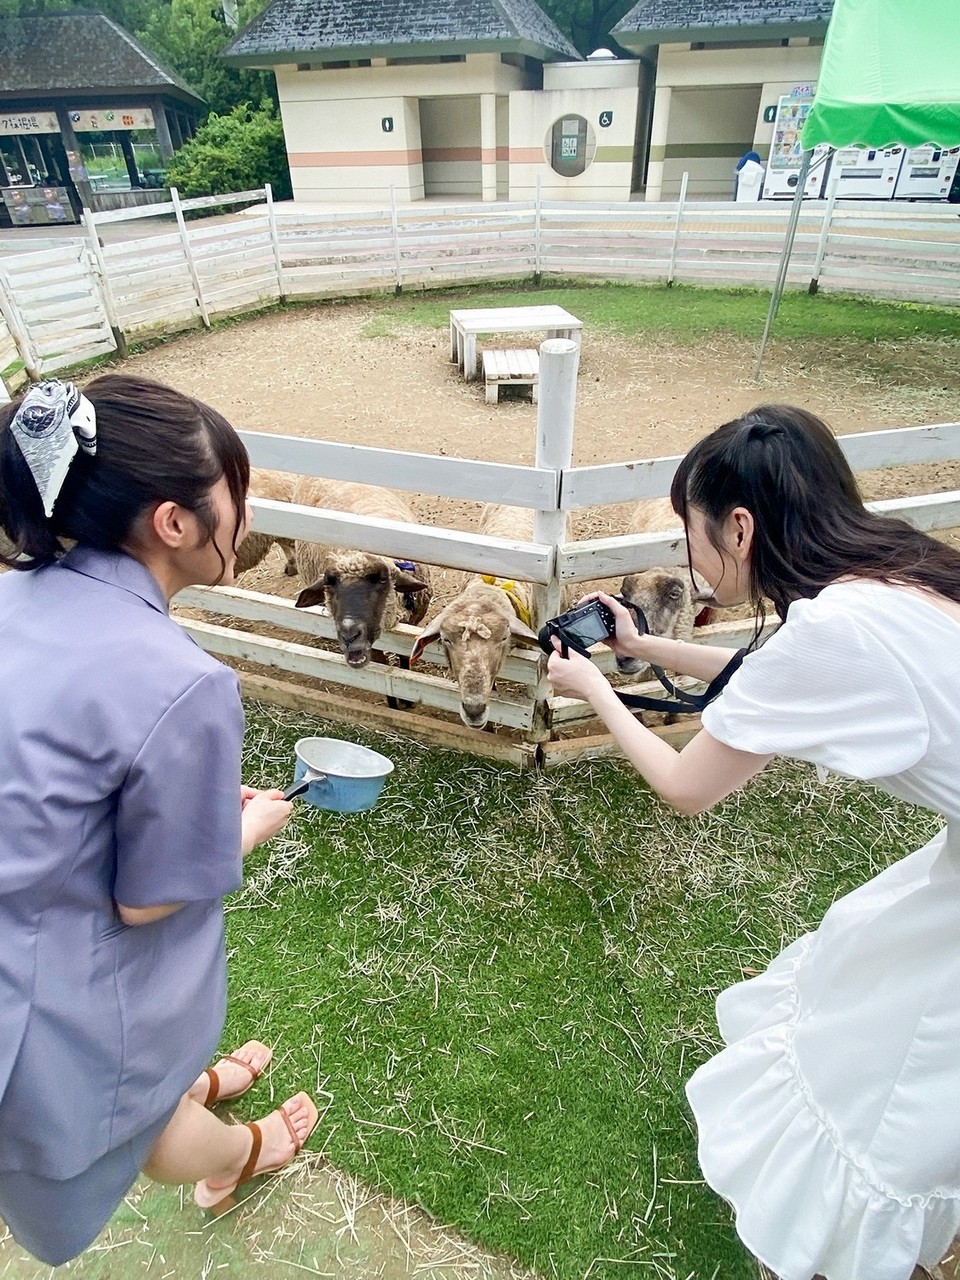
501 981
686 313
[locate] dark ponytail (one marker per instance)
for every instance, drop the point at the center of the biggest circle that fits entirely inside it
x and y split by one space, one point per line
154 444
785 467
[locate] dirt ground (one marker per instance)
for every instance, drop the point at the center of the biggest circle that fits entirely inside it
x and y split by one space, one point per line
316 372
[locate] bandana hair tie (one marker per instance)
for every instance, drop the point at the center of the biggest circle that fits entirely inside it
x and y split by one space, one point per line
53 421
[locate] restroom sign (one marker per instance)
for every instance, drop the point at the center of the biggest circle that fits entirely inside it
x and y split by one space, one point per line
606 119
386 124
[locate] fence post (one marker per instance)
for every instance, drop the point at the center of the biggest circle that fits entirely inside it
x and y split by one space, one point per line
99 264
676 230
18 330
275 241
814 284
538 231
559 361
395 224
188 254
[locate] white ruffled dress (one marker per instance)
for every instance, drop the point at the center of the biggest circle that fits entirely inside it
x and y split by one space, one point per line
831 1121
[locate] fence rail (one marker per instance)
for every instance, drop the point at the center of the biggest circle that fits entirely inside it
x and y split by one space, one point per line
522 705
83 298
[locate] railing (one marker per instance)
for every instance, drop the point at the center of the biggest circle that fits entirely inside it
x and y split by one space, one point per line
101 295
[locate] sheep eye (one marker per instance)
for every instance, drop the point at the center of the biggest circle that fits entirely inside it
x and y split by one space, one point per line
375 579
331 580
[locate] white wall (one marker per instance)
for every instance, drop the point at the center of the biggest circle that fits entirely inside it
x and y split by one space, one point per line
608 176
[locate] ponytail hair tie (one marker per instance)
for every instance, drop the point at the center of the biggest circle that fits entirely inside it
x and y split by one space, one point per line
53 422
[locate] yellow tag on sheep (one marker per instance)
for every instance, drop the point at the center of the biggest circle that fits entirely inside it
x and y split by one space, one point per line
510 587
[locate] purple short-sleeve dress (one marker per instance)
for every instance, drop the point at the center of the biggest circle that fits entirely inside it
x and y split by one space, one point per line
121 745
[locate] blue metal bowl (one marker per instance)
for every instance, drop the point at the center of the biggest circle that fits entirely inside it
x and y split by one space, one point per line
341 776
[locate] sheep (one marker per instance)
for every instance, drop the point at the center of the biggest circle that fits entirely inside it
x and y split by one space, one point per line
477 628
254 547
365 593
668 599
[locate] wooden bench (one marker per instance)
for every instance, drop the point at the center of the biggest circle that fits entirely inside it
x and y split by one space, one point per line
518 367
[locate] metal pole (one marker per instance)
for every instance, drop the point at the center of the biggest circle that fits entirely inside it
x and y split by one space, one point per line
784 258
671 270
825 230
559 361
537 230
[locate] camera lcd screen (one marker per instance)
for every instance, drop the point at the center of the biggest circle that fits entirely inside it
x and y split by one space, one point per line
586 625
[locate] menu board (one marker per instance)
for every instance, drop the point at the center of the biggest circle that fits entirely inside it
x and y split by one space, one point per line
38 206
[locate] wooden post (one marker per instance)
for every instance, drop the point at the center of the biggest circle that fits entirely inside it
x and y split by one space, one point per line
18 330
275 240
395 224
825 231
103 281
537 230
671 271
188 254
559 361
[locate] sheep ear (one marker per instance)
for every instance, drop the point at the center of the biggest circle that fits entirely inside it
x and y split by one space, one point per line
520 631
405 582
426 636
310 596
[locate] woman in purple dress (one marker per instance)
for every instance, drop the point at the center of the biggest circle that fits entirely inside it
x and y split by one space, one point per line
122 819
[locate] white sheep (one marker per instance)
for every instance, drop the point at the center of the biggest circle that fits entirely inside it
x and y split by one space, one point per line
364 593
477 628
279 486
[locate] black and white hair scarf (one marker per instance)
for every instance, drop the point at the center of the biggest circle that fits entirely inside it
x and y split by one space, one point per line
52 423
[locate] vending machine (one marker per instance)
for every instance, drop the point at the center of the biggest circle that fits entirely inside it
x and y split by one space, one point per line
927 173
867 173
786 153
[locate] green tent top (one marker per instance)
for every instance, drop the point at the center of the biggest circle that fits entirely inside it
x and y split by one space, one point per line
890 73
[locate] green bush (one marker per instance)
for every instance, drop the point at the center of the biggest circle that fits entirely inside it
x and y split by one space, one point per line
235 152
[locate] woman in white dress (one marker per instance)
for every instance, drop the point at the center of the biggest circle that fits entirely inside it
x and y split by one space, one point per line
831 1121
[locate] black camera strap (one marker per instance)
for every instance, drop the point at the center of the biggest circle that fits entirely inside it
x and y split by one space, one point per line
682 702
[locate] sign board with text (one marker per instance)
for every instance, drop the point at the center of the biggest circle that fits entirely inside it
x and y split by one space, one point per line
109 118
20 122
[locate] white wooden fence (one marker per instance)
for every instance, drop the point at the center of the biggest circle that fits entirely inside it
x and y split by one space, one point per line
532 721
82 298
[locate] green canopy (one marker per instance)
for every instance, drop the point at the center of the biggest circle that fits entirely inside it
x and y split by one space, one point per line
890 73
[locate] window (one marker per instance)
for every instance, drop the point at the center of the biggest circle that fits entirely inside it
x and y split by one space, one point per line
570 145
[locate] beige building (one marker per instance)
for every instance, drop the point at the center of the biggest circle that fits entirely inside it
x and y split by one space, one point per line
720 71
484 100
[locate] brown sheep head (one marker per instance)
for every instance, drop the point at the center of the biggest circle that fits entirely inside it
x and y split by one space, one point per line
361 592
475 631
665 598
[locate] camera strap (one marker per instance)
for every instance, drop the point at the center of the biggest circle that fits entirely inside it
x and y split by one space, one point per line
682 702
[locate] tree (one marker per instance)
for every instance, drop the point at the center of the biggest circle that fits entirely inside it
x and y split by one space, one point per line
234 152
188 36
587 22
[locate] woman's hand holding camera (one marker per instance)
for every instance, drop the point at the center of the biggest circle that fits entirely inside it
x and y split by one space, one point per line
576 676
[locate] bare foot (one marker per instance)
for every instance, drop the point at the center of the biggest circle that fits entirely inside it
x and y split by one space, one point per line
234 1078
281 1140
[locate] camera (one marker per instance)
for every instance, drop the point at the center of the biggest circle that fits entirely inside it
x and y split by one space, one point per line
587 624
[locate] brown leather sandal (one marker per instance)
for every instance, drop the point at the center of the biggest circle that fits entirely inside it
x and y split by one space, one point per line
221 1199
215 1095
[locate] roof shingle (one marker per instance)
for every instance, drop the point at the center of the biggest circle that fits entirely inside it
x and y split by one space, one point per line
60 53
343 29
663 21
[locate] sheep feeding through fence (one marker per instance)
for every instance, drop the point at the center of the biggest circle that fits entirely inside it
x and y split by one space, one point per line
533 726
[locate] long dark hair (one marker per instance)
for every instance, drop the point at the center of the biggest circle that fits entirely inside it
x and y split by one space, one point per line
154 444
785 467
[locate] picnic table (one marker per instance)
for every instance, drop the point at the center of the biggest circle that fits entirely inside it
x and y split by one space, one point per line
465 325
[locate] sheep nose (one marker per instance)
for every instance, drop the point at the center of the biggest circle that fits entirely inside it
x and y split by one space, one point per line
351 630
474 711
